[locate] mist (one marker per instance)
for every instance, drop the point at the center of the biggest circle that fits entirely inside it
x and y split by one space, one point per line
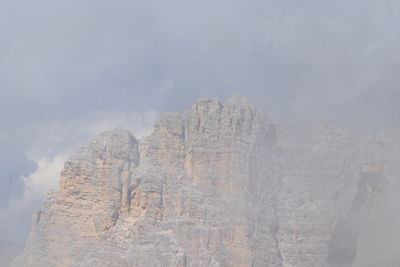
71 69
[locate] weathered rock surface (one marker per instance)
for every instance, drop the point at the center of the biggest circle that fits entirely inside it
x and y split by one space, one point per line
222 185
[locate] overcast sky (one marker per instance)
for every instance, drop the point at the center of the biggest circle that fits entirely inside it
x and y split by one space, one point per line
71 68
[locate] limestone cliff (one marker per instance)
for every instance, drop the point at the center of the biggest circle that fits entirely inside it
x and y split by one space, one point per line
222 185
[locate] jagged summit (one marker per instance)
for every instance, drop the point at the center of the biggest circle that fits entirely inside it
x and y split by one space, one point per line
235 100
219 184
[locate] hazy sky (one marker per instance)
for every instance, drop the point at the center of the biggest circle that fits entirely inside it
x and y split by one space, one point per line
69 69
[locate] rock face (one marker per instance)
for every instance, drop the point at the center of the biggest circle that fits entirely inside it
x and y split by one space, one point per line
222 185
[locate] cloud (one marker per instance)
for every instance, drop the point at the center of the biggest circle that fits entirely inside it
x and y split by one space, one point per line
13 163
15 219
338 59
45 177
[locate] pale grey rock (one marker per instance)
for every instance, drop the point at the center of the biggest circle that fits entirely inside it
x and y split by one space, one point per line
222 185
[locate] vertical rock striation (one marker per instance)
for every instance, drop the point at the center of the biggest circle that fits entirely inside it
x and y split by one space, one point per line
221 185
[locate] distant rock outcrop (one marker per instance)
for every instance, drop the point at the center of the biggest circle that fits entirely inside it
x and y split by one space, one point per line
222 185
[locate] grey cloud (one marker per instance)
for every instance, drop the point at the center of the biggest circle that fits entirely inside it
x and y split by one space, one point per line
13 164
83 55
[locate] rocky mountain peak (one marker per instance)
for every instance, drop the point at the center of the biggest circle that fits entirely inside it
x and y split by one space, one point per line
218 185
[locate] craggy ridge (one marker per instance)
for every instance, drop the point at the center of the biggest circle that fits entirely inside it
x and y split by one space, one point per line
222 185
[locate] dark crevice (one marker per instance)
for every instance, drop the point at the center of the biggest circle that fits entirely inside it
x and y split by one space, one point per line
275 233
131 193
39 214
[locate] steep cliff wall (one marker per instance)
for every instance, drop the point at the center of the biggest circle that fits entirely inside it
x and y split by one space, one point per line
220 185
